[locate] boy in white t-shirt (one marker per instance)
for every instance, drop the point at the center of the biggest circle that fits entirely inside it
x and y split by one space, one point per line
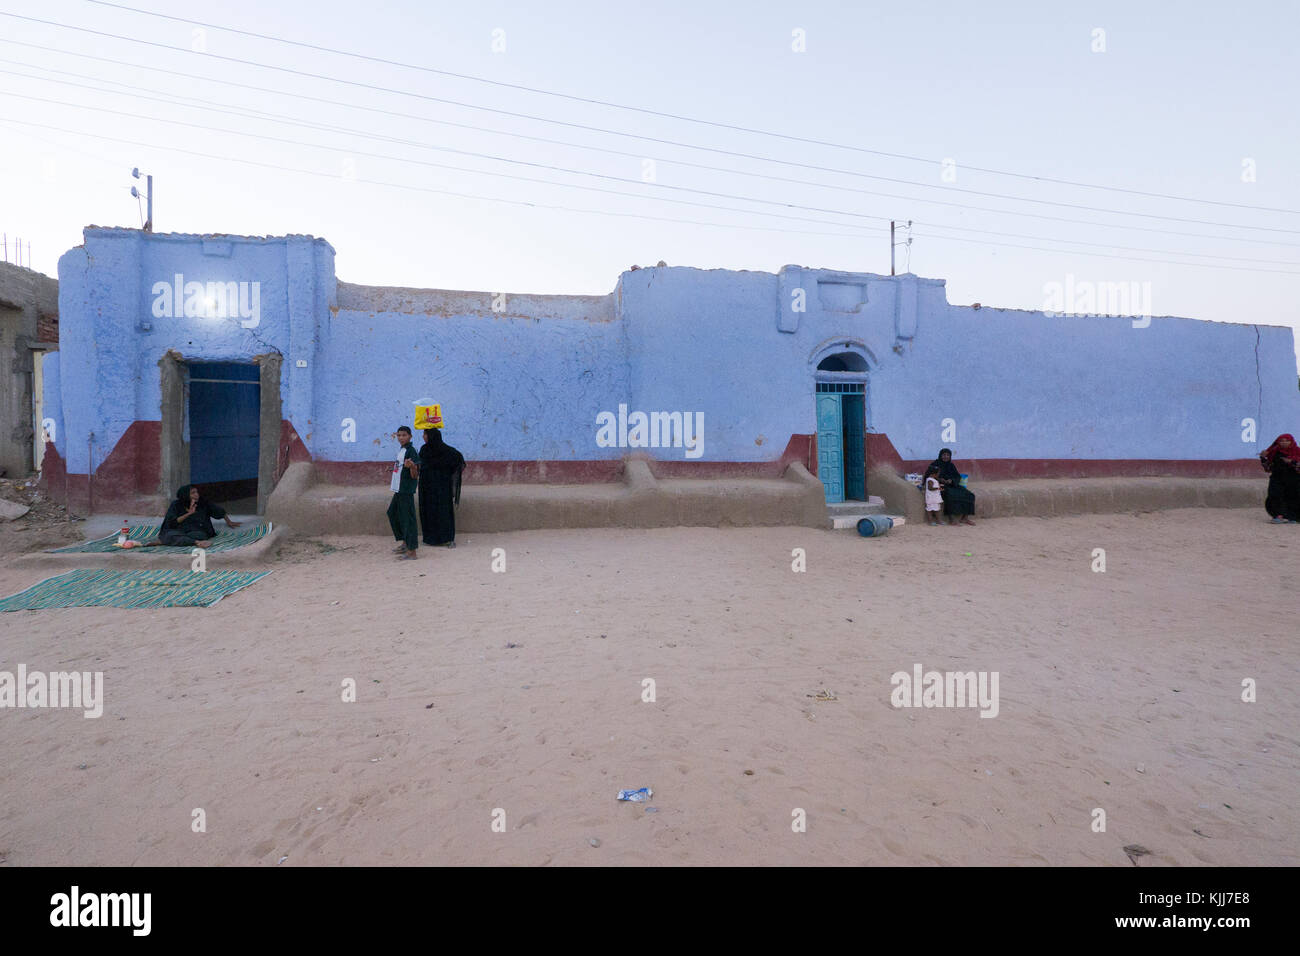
401 511
933 496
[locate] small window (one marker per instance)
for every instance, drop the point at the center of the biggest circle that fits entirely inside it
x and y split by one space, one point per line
842 388
843 362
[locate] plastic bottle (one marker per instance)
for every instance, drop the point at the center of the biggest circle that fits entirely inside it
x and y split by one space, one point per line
124 534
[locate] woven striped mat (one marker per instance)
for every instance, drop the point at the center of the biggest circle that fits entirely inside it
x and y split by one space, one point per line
224 541
106 587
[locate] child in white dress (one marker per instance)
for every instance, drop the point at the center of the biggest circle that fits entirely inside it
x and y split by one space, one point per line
933 496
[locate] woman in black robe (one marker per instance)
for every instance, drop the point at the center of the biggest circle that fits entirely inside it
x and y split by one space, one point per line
440 470
188 522
1282 462
958 502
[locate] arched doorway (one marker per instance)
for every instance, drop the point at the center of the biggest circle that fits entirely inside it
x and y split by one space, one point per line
841 398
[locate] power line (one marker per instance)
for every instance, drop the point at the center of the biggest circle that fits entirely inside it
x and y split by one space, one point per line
263 114
281 118
551 167
636 136
248 112
1012 245
409 93
962 206
173 149
175 99
605 212
1107 245
674 116
863 230
463 169
73 149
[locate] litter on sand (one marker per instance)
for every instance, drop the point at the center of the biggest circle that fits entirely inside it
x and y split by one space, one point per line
636 796
1134 851
823 694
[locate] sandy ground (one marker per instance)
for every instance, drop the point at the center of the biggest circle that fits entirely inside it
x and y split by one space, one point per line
237 709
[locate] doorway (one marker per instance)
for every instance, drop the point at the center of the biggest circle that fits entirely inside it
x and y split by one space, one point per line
223 414
841 440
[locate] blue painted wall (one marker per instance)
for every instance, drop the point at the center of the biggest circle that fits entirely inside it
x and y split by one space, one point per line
526 379
1017 384
522 383
112 341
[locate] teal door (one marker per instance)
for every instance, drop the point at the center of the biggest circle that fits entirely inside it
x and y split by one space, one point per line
853 409
830 449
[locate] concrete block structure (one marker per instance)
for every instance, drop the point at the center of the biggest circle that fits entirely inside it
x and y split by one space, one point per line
29 329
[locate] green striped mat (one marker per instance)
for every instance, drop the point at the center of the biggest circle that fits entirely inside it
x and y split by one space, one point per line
106 587
226 540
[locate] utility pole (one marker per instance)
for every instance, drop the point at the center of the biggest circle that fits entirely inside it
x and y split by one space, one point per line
18 250
893 245
148 223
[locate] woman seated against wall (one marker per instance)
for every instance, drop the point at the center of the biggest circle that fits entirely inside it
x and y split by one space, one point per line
188 522
1282 462
958 501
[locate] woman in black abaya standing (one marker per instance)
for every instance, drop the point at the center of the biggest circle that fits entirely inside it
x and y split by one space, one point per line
440 471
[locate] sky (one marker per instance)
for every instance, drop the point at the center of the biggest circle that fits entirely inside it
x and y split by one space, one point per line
545 148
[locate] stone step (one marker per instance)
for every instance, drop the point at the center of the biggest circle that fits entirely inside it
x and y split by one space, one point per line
874 505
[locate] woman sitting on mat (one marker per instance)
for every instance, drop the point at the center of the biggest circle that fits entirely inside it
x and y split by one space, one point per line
958 502
1282 462
189 520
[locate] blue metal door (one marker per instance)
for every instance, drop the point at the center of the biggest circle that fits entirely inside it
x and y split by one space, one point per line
855 447
224 426
830 454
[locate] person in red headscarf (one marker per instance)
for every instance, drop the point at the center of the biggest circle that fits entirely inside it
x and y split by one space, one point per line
1282 462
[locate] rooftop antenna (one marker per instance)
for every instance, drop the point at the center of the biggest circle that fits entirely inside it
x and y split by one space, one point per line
148 223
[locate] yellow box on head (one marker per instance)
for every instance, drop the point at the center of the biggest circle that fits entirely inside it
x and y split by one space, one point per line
428 415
